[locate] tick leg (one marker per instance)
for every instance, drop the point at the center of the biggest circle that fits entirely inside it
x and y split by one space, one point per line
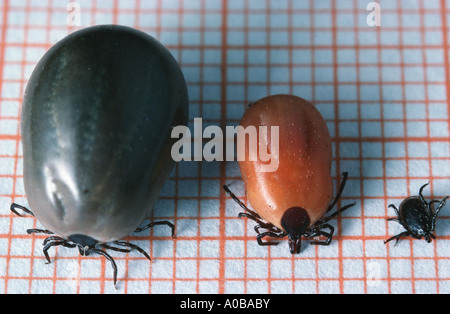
133 247
157 223
237 200
272 231
317 231
397 237
260 236
339 194
41 231
109 258
53 243
48 246
436 213
15 206
398 216
260 223
396 220
251 214
327 242
108 247
421 190
54 238
269 227
395 208
341 210
256 219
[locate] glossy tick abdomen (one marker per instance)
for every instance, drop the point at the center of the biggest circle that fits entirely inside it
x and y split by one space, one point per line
96 122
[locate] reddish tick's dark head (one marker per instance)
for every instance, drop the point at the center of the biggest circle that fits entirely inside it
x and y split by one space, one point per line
295 221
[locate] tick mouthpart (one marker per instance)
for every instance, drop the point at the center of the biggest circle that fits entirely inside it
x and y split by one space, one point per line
429 237
295 244
295 221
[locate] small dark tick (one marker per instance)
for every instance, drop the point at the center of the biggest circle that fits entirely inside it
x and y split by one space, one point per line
417 216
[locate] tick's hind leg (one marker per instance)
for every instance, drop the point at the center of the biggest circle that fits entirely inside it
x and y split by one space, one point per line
248 212
436 212
272 230
109 258
339 194
397 237
113 248
133 247
336 213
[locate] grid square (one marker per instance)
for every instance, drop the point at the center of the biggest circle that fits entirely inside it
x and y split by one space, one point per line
186 269
400 269
20 247
210 228
418 168
329 287
304 269
257 287
352 248
41 287
234 269
163 269
17 285
281 269
353 286
305 287
209 269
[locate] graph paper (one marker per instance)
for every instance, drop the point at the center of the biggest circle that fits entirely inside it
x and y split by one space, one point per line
382 90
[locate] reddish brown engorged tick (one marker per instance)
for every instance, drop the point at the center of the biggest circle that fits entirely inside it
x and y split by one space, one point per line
293 200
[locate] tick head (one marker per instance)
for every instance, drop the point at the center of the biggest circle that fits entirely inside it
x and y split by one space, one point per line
295 221
84 243
426 234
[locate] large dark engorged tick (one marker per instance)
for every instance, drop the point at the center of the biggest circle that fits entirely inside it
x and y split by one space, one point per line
294 199
96 121
417 216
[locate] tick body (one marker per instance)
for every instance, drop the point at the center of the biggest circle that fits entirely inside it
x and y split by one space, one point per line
417 216
293 200
96 121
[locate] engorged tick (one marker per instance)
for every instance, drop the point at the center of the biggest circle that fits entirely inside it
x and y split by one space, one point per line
96 121
295 200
